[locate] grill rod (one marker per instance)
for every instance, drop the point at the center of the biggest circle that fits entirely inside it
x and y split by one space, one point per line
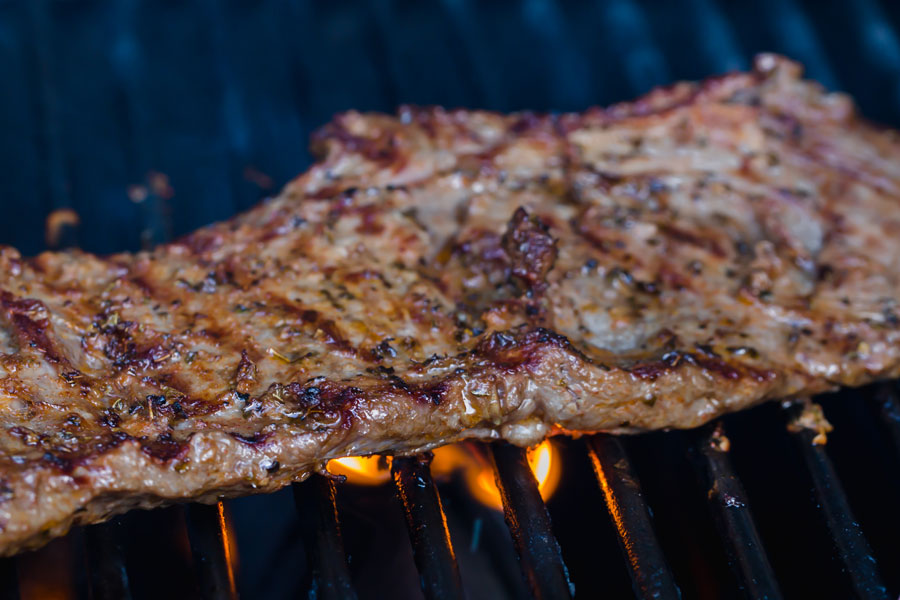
848 536
330 573
731 514
211 551
890 410
106 561
9 579
529 523
433 552
650 573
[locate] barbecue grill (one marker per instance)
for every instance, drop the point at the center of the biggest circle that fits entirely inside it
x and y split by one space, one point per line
151 118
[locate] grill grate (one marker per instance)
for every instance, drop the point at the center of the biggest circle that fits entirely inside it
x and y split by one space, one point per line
539 552
376 72
731 512
650 574
9 583
106 561
427 525
330 575
847 534
890 412
529 524
210 548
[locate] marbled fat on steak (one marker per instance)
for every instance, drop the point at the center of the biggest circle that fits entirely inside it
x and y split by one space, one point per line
441 275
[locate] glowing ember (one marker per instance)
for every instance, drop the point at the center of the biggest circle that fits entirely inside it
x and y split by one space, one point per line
476 472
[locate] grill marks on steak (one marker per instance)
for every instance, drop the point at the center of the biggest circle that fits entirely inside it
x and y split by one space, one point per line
442 275
28 321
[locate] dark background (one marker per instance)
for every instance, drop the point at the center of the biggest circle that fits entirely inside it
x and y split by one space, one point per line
220 96
201 108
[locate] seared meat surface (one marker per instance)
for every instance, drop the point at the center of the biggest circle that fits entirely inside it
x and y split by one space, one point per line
446 275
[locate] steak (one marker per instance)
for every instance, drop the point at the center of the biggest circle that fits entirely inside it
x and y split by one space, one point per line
445 275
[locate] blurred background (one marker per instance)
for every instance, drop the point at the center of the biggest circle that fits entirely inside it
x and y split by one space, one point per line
141 120
210 103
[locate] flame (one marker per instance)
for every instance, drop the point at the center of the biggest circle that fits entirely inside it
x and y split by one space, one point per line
544 462
476 472
47 574
362 470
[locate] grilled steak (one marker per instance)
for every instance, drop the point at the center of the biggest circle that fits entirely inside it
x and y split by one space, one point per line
441 275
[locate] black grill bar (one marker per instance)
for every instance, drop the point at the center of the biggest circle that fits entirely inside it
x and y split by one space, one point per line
210 548
106 561
890 410
9 579
650 574
731 513
330 574
427 525
529 523
848 536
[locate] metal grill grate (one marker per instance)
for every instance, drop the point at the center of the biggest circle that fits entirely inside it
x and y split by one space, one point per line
461 54
539 553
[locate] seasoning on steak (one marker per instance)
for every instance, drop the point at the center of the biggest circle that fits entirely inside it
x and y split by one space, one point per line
446 275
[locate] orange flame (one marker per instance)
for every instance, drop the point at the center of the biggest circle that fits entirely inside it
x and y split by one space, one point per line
479 476
362 470
544 462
